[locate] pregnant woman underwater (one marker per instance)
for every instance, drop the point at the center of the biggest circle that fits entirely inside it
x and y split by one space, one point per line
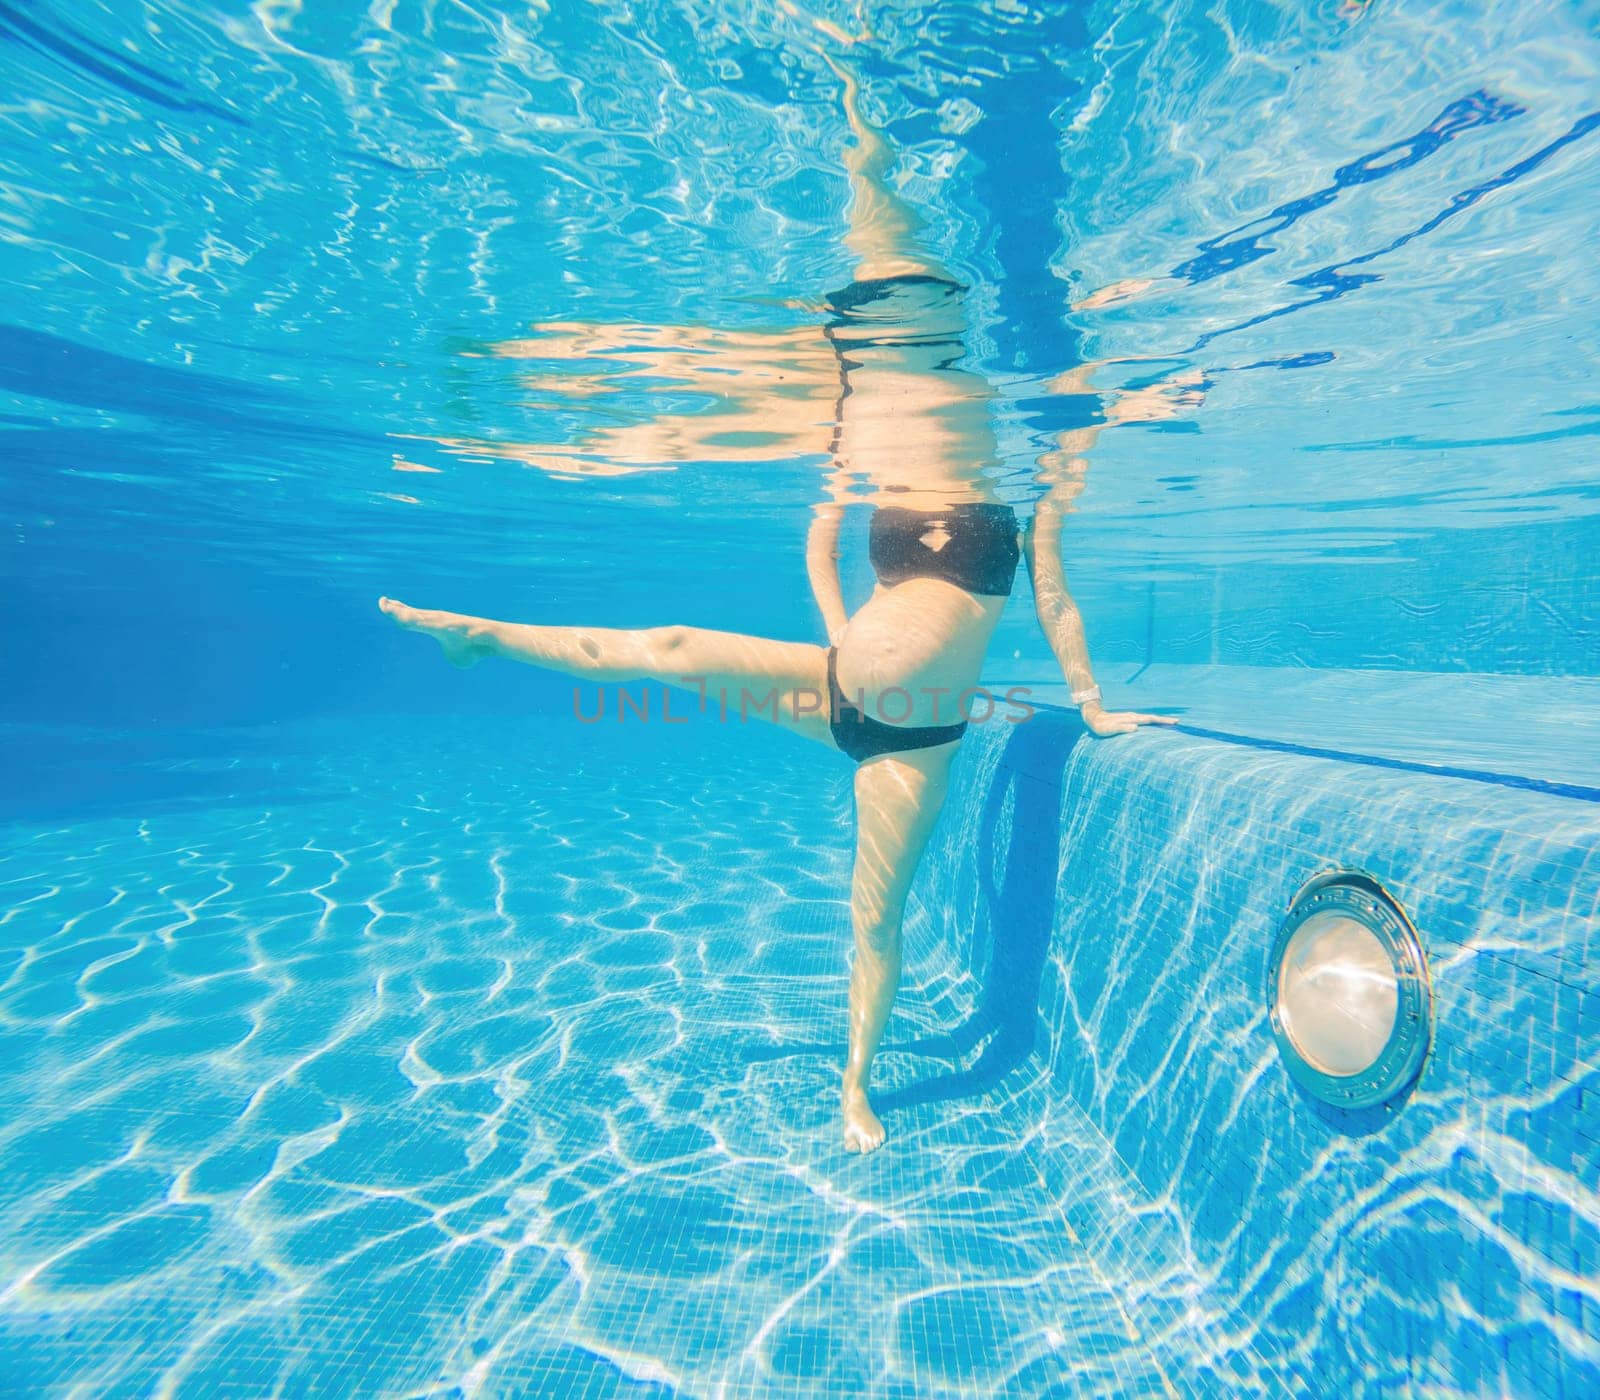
910 433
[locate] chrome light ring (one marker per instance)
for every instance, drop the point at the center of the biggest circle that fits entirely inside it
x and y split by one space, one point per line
1348 991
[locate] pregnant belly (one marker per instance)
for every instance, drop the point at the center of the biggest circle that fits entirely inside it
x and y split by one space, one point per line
914 648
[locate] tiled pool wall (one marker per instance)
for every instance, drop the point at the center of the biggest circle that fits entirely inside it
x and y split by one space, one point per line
1117 902
1529 610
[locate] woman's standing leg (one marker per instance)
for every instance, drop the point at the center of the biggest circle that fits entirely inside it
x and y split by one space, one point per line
898 797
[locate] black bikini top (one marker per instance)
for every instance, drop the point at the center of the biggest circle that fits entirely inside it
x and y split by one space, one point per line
972 545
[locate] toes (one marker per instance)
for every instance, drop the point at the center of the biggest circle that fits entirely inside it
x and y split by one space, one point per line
861 1139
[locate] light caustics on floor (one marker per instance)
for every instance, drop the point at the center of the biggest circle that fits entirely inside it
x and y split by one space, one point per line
401 1069
403 1073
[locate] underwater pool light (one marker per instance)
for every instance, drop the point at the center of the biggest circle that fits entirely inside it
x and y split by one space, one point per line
1348 990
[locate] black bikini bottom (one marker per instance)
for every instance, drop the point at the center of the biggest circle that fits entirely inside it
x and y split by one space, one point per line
862 737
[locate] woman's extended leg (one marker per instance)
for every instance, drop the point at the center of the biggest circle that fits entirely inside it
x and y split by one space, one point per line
898 797
742 676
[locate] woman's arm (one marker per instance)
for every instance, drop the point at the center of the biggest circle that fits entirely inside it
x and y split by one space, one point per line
1062 624
822 567
1058 615
1063 472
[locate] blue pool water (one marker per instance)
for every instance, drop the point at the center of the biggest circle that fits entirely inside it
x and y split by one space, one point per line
369 1027
452 1083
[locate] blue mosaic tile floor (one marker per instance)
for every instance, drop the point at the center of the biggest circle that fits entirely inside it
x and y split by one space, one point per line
412 1069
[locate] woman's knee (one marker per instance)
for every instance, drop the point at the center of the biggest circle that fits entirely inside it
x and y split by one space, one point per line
668 646
877 930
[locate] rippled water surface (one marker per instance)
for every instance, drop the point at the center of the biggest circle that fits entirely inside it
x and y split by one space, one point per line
384 297
367 1026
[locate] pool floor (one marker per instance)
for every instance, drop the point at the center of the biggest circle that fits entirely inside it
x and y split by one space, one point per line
415 1069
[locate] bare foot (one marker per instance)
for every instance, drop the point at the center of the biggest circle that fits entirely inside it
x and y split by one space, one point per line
451 630
862 1130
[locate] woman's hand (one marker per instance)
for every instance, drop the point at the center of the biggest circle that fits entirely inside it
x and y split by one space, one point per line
1103 723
